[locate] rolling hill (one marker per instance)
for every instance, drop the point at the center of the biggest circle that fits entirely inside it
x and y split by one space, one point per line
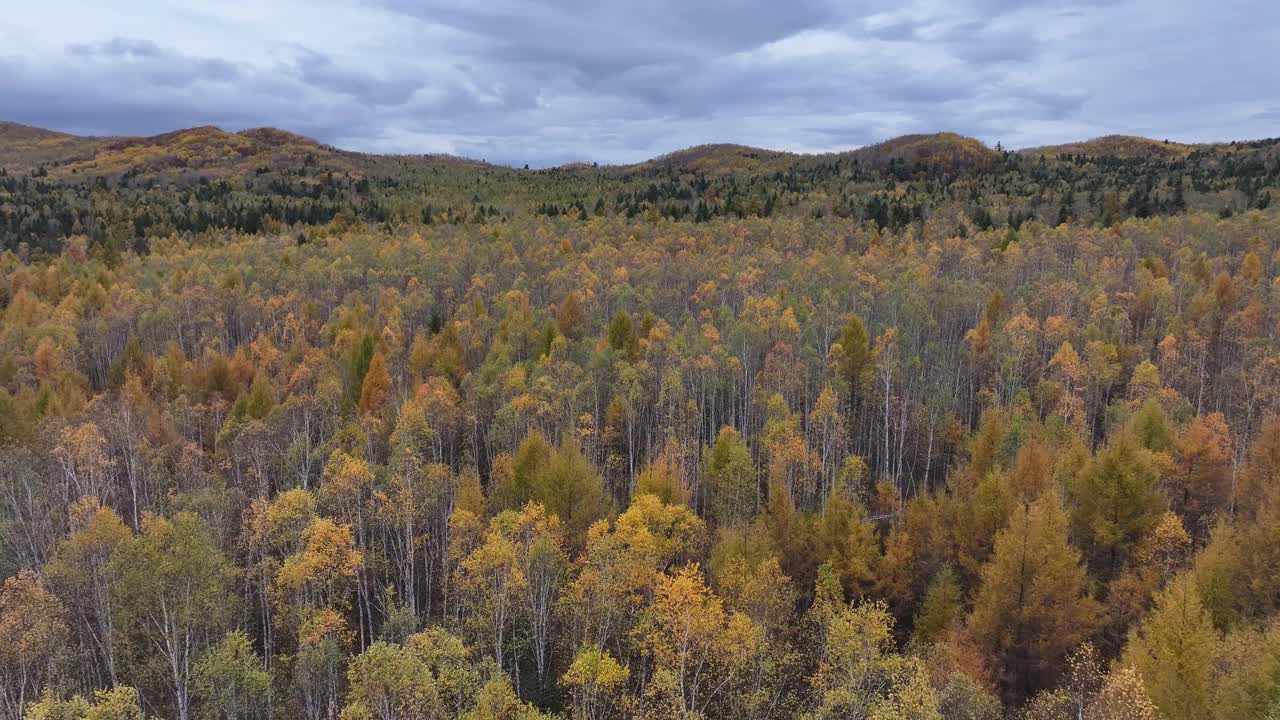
205 151
124 190
23 148
1128 147
939 151
215 152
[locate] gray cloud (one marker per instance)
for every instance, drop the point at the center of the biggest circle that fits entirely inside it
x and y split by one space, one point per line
600 39
320 70
116 48
549 81
978 43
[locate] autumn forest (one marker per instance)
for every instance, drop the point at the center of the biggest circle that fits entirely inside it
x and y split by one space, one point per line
927 430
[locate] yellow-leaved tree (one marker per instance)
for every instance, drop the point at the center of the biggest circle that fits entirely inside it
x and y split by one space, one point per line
697 647
862 676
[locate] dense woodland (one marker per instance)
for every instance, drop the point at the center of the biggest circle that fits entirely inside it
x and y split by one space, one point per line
924 431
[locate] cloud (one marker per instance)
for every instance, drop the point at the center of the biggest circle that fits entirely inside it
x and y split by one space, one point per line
146 61
549 81
320 71
116 48
983 44
595 40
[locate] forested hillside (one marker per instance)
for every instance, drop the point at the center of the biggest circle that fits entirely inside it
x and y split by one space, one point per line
923 430
123 192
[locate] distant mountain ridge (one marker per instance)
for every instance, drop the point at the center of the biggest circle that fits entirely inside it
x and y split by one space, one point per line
216 151
122 190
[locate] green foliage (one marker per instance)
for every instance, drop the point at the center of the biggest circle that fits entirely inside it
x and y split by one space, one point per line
1150 427
940 610
730 478
387 682
622 337
560 478
1117 501
571 488
963 699
857 353
231 683
117 703
1173 652
361 359
172 590
862 676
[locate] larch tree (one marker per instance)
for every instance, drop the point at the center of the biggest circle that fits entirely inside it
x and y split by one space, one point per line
1117 502
571 488
1259 486
375 388
1246 672
1032 607
1173 652
855 361
1203 481
730 478
571 316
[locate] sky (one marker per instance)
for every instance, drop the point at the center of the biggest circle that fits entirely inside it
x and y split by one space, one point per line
543 82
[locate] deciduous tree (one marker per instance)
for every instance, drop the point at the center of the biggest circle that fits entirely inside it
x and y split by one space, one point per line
1032 607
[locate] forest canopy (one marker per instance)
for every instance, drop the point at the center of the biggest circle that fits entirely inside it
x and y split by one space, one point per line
926 430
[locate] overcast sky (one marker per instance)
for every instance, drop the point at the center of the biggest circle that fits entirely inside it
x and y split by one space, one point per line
550 81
